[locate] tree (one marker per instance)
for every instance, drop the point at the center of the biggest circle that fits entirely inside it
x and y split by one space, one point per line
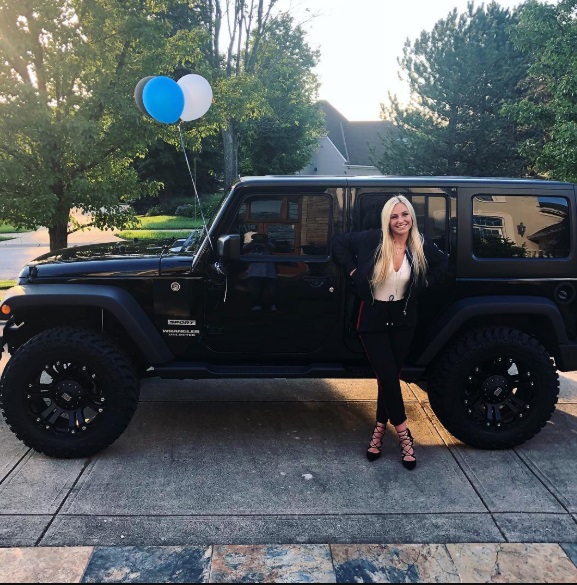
460 75
282 140
548 111
255 34
164 163
68 69
496 247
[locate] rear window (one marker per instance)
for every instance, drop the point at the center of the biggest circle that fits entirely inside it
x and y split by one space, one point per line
520 226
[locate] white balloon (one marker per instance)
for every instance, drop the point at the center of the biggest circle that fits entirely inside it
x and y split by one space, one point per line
197 96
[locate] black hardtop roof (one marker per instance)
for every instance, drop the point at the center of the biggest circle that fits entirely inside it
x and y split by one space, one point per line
384 180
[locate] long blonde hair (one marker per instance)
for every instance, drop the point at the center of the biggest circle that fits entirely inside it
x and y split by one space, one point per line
386 251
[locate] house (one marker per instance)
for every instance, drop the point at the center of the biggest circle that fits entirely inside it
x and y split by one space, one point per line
346 147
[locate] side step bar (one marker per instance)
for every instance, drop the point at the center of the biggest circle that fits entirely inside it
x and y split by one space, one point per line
202 370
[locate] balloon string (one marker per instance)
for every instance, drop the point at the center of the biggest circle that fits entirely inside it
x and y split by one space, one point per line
194 185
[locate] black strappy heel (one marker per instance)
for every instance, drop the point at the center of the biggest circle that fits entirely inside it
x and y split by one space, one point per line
407 442
376 441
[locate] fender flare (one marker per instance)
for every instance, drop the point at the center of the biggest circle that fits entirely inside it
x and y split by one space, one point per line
112 299
448 323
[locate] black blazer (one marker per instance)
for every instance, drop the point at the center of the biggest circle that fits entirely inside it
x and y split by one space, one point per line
357 250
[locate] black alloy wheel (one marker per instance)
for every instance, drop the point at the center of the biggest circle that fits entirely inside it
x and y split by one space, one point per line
499 390
66 397
494 388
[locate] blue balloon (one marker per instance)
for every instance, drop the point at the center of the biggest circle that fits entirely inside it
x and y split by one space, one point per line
163 99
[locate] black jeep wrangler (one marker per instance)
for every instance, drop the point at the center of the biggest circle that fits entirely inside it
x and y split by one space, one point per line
256 294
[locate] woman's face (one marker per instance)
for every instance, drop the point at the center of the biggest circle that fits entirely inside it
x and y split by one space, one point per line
401 220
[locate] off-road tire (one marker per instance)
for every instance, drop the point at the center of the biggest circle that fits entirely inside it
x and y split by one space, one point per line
494 388
68 392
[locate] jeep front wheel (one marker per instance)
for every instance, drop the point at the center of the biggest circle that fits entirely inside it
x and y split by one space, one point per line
68 392
494 388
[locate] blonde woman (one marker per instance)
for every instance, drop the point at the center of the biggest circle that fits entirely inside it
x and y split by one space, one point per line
389 267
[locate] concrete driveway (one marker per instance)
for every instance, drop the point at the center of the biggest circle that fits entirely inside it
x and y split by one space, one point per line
280 463
274 461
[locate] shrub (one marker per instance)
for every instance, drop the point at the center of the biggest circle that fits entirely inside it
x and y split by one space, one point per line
143 204
185 210
153 211
211 203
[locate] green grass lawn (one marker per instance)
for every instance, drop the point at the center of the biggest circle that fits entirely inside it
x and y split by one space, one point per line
169 226
168 222
6 228
152 234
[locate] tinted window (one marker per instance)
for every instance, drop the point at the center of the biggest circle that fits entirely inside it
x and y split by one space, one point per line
520 226
293 224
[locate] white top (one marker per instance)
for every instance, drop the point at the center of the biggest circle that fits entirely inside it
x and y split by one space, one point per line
395 284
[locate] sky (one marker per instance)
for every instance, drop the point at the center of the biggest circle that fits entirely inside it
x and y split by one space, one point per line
360 41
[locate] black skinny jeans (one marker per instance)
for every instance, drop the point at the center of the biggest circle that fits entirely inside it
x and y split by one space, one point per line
386 347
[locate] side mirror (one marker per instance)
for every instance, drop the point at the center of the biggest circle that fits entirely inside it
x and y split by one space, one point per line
229 247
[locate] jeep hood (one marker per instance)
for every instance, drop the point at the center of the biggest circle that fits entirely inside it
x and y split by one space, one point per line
101 259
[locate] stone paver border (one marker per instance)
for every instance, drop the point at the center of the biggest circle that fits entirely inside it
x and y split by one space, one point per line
310 563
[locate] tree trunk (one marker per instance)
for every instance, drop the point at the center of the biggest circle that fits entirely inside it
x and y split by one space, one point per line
58 230
230 149
452 142
58 235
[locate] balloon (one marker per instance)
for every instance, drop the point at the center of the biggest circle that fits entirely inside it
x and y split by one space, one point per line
163 99
197 96
138 93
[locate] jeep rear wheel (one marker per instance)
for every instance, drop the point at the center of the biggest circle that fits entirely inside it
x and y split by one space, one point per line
494 388
68 392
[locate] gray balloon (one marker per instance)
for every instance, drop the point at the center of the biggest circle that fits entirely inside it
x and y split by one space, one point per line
138 93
